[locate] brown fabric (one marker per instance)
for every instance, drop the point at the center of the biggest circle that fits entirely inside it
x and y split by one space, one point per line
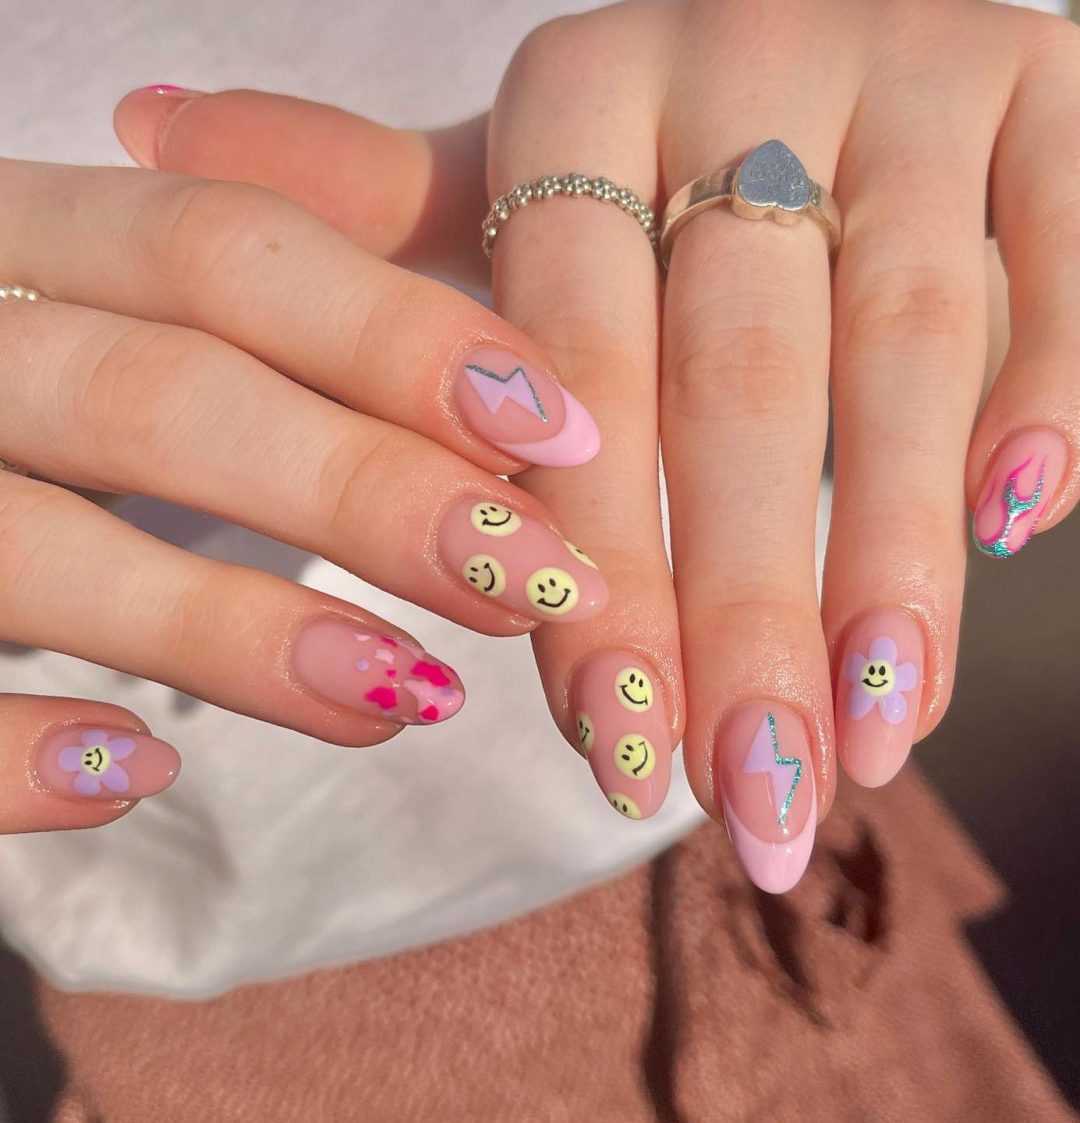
675 993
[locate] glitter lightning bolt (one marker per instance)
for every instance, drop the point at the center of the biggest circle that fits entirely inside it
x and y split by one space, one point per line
494 389
764 756
1013 507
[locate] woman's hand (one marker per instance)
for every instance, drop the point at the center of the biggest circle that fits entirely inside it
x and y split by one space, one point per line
154 367
907 110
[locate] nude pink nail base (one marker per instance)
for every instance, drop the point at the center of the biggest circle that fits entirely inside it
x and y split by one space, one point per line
382 675
878 694
768 792
520 562
623 730
522 411
1024 477
92 762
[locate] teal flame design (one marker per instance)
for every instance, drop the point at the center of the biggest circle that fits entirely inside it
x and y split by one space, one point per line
1013 507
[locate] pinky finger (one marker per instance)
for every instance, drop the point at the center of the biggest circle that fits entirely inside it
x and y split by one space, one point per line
66 763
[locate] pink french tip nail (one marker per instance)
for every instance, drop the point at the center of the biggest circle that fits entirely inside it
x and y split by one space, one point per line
522 411
91 762
1024 477
386 676
877 696
520 562
623 730
768 792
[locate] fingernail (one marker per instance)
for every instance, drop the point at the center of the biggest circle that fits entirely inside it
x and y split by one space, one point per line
522 411
877 696
142 117
89 762
520 562
767 788
623 730
378 674
1023 477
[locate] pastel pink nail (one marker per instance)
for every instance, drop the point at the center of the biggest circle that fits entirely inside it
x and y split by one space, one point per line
1024 477
92 762
523 411
878 692
386 676
768 792
520 562
623 730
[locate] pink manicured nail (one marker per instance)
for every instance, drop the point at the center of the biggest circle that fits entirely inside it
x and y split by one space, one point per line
522 411
520 562
88 762
144 115
623 729
877 696
385 676
165 89
767 787
1023 478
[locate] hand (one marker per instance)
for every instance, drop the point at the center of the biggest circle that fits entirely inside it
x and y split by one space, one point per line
154 368
651 96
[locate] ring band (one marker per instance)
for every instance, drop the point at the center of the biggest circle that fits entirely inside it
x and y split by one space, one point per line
573 185
17 292
770 182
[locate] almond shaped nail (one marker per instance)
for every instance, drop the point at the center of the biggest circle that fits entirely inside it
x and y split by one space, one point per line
522 411
385 676
520 562
768 792
1023 478
94 762
624 730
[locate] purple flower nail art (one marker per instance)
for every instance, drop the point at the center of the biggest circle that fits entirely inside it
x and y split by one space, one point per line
879 681
94 761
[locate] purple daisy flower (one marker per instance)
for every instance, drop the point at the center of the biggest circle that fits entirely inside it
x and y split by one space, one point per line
876 680
94 762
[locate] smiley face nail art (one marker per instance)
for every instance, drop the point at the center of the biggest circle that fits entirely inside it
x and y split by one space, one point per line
626 736
108 764
880 681
520 562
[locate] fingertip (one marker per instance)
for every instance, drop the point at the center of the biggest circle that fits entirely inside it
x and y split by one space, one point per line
142 116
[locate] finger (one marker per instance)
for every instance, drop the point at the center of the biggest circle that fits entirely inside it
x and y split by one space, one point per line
909 348
1022 469
579 276
68 763
113 404
743 422
416 197
238 638
243 264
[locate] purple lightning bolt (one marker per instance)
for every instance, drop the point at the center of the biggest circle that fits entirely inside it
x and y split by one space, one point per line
785 772
494 389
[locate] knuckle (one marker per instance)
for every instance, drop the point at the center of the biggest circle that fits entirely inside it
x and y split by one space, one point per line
562 50
349 482
907 311
29 514
192 619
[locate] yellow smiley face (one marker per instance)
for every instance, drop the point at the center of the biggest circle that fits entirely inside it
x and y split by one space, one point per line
624 805
485 573
634 689
635 756
878 678
490 518
95 759
553 591
586 732
580 554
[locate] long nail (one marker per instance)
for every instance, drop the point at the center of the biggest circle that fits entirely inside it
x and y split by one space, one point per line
520 562
624 731
1023 477
523 411
91 762
877 696
768 792
142 117
378 674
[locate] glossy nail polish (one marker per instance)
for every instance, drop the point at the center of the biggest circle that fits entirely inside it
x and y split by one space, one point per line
624 731
378 674
1024 476
878 692
144 115
520 562
767 789
522 411
90 762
